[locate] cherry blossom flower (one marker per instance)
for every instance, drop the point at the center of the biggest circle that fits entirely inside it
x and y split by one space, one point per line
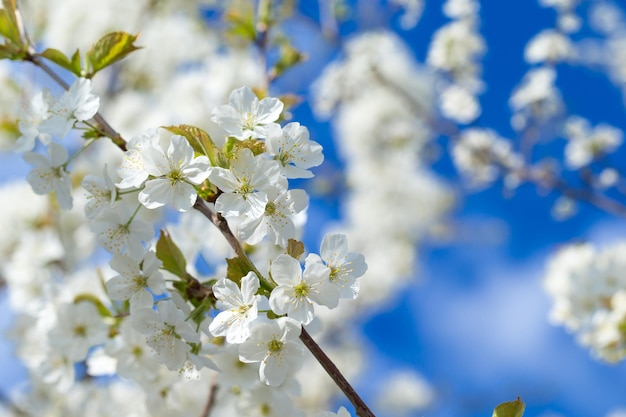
239 308
120 232
245 116
245 184
78 327
132 171
342 412
276 345
102 193
291 147
134 358
76 104
134 279
345 267
264 401
167 331
175 173
49 175
277 218
297 290
30 122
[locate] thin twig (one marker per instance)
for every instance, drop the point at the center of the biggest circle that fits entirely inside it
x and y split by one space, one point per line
360 407
103 125
328 365
210 402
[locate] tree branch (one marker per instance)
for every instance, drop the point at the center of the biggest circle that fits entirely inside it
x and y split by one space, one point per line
360 407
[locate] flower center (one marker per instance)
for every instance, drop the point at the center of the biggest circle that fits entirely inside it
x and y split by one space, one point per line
270 208
302 289
175 176
275 346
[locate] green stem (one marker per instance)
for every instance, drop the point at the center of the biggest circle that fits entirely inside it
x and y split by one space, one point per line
133 216
65 165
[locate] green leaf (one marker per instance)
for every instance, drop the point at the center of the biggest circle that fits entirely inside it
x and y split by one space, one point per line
510 409
236 269
242 24
90 298
76 63
295 248
6 52
8 22
109 49
62 60
232 146
289 56
201 143
171 256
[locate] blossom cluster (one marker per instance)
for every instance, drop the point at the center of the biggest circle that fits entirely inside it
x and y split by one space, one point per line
587 288
144 327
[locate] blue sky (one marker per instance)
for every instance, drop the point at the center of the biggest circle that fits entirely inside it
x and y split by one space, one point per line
475 322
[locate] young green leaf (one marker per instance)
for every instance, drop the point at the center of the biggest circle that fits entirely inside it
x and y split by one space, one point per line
237 269
62 60
171 256
8 22
102 310
510 409
109 49
201 143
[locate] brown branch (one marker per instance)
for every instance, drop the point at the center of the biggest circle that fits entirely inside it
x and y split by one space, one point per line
102 124
587 195
360 407
208 406
328 365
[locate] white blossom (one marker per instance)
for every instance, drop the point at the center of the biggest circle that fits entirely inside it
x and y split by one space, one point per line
239 308
297 290
120 232
245 116
168 332
50 175
345 267
78 327
102 193
244 186
276 345
175 175
135 278
277 219
30 122
76 104
291 147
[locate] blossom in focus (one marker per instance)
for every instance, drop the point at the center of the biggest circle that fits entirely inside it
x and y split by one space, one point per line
277 346
238 308
245 116
174 172
345 267
291 147
297 290
245 184
277 218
